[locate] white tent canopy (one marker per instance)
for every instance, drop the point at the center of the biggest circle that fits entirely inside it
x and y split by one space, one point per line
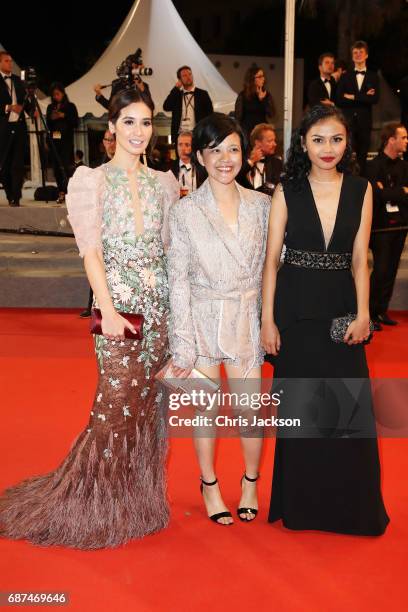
155 27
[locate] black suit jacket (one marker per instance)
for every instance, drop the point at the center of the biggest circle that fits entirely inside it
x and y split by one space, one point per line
5 98
393 175
317 91
358 110
174 104
200 172
273 171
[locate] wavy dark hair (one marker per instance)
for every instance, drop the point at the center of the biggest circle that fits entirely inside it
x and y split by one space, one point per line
298 164
212 130
57 86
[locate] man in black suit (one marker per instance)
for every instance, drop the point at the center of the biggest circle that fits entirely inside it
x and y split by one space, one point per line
13 131
263 168
323 89
188 176
357 91
388 174
187 103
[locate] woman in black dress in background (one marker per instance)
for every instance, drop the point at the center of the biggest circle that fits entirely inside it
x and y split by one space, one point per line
254 104
327 473
62 119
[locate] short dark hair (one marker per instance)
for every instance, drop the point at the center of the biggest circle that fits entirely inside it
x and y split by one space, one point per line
360 44
388 131
323 55
212 130
79 153
125 97
182 68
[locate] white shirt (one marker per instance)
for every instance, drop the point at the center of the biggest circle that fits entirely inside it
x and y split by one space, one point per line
360 77
12 116
187 123
256 175
187 178
327 86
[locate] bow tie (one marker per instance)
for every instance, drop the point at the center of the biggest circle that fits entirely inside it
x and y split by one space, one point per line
7 76
185 167
326 80
359 71
188 93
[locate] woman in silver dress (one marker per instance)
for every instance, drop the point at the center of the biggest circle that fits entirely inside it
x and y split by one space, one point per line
215 258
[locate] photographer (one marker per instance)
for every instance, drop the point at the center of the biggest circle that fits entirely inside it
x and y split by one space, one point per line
187 103
62 119
128 78
13 131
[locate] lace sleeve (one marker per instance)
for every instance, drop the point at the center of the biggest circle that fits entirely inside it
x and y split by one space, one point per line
84 204
171 190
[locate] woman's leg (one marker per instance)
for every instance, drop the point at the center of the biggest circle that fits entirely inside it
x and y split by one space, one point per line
252 439
205 449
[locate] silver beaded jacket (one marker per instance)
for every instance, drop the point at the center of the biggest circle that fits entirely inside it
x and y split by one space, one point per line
215 278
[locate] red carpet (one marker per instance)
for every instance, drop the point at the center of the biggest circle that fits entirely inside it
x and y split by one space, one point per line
48 376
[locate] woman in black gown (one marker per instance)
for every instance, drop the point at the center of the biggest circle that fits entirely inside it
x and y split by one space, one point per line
327 472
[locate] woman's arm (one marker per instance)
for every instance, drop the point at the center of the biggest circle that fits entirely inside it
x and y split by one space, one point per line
84 205
113 324
181 331
278 216
359 331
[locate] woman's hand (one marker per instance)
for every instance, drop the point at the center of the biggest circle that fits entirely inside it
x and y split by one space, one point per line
261 93
114 325
358 331
270 338
178 372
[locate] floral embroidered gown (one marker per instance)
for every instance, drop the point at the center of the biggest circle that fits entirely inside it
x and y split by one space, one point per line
111 486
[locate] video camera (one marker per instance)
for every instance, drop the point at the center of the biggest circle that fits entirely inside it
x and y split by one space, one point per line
29 78
132 68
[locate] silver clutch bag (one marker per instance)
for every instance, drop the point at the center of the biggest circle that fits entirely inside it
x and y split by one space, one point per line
196 382
340 325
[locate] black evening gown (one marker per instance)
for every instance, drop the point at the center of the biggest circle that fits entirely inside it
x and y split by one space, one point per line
327 474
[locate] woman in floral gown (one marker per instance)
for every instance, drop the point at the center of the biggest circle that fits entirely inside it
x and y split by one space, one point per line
111 486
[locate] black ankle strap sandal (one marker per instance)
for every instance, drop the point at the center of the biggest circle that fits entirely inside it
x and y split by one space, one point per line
218 515
242 511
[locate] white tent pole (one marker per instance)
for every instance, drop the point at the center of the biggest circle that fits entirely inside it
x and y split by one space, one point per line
289 67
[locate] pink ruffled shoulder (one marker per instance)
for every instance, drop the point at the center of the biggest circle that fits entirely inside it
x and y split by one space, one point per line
84 204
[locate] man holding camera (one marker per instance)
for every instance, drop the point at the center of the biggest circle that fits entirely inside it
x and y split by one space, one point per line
132 63
13 131
187 103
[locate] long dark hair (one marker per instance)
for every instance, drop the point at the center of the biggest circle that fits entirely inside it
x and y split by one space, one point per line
125 97
249 81
57 86
298 164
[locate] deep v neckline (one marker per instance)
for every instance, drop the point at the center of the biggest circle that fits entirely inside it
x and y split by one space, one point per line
326 247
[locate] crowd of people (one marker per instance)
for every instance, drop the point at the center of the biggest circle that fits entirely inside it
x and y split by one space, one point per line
197 252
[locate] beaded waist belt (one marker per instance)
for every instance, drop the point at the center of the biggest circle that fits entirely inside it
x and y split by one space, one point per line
318 261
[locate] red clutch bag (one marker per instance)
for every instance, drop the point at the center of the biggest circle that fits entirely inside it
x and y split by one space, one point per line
136 320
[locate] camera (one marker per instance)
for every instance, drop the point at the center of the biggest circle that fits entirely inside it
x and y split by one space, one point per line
29 77
127 73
